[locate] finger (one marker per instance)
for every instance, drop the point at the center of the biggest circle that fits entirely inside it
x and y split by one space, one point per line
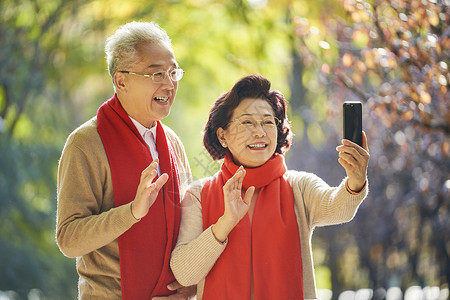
248 195
173 286
349 158
353 149
152 166
240 179
348 145
230 184
364 141
148 179
150 172
155 187
344 164
161 181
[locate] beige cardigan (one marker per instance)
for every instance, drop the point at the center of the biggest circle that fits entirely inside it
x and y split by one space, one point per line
316 204
88 224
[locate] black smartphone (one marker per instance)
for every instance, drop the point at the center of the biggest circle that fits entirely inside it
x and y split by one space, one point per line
353 121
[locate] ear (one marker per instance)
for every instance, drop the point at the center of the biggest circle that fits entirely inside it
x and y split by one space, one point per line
119 81
221 136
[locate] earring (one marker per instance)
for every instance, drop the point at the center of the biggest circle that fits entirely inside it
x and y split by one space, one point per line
224 144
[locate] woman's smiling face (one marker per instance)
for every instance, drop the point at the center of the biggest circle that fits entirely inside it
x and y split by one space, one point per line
251 135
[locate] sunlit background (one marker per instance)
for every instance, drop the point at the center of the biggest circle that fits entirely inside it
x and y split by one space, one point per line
392 55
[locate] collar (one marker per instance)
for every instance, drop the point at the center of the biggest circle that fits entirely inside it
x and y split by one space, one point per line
142 129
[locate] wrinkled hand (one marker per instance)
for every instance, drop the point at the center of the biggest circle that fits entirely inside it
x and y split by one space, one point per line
235 206
355 160
147 191
183 293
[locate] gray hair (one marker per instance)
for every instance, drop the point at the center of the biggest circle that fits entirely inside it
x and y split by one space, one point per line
121 47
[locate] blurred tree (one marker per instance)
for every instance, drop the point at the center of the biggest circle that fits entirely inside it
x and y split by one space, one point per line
53 78
30 143
393 56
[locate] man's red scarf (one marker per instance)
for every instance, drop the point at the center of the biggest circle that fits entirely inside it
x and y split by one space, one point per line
145 248
269 246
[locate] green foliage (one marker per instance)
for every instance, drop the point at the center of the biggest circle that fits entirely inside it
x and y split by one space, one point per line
30 258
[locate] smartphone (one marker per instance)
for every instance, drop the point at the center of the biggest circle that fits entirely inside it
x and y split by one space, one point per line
353 121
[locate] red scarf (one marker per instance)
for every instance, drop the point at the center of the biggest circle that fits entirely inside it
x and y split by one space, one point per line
269 246
145 248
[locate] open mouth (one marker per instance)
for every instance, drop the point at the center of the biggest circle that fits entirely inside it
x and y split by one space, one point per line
161 99
259 146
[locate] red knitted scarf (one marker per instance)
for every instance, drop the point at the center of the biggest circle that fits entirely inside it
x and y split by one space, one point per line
269 246
145 248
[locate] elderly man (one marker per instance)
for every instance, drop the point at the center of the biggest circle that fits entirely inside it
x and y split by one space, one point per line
122 173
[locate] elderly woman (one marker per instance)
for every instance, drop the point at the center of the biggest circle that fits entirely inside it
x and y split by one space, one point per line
246 231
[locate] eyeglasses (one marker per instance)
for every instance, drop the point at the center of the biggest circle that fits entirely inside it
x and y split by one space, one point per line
250 123
158 77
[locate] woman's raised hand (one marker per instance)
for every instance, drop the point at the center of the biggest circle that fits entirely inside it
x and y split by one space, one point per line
235 206
355 160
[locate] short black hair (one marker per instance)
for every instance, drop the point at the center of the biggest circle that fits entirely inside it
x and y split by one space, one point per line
253 86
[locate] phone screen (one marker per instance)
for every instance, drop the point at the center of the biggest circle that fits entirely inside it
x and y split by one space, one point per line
353 121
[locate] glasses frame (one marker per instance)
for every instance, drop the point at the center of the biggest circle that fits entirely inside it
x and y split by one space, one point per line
277 122
152 76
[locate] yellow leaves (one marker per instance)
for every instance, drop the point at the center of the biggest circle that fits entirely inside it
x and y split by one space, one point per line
408 115
360 38
368 58
433 18
359 10
360 66
102 9
347 59
357 78
359 16
349 6
445 147
425 97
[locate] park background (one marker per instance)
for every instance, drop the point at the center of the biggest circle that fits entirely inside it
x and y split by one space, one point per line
392 55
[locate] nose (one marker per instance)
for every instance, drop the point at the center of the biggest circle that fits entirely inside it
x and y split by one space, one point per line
259 129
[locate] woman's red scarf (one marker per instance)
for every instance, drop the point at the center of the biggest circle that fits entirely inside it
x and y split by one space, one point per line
269 246
145 248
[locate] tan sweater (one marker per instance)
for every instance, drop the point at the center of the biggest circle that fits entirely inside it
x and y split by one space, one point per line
316 204
88 224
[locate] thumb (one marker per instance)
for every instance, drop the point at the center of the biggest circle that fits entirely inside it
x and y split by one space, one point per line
364 141
173 286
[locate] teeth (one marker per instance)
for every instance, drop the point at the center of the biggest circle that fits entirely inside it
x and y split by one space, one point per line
257 146
162 99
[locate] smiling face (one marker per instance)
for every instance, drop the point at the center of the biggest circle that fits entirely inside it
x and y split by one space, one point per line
251 135
142 99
